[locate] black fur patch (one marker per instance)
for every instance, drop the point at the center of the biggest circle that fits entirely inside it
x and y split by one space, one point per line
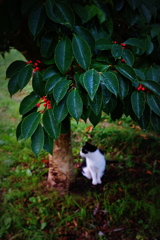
88 148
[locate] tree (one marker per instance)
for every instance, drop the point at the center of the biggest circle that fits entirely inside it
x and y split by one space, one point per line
84 58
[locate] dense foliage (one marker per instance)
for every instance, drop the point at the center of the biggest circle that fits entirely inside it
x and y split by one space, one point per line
90 57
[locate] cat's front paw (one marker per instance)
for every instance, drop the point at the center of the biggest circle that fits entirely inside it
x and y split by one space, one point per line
94 183
99 182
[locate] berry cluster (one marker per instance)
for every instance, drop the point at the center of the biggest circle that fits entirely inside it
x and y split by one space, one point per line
142 88
35 65
123 47
45 103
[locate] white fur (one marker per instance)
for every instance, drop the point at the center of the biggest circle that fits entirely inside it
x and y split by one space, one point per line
95 168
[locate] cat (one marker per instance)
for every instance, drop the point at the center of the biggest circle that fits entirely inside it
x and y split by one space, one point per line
94 163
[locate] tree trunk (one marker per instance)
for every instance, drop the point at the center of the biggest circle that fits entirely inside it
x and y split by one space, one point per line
61 170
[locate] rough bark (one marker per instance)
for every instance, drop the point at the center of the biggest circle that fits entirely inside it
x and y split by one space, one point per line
61 170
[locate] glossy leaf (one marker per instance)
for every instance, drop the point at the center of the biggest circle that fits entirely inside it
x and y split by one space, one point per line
128 56
81 12
63 54
49 72
75 104
81 52
149 46
96 104
60 12
126 71
100 67
106 93
24 76
30 124
48 43
52 81
50 124
38 84
154 103
14 67
86 35
138 103
36 20
19 131
37 140
48 143
91 81
103 44
60 90
95 119
110 106
134 3
111 82
123 86
153 86
145 12
153 74
13 85
116 51
28 103
135 42
60 110
144 120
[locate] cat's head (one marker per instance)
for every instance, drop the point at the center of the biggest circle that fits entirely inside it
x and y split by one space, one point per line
87 148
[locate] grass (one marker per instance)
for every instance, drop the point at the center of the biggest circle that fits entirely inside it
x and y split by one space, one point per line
125 206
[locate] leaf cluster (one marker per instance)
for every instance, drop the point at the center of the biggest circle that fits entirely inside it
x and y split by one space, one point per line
94 56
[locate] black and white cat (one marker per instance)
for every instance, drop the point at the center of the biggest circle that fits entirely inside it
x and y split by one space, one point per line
94 164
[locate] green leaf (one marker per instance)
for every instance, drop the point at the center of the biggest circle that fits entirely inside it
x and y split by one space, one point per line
49 72
30 124
91 81
123 86
128 56
60 110
19 131
63 54
14 67
50 124
52 81
81 12
118 111
134 3
110 106
116 51
155 121
48 43
153 74
111 82
81 52
100 67
144 120
149 46
106 94
126 71
37 140
60 12
86 35
138 103
37 20
135 42
103 44
95 119
154 103
153 86
60 90
13 85
24 76
96 104
48 143
145 12
28 103
38 84
75 104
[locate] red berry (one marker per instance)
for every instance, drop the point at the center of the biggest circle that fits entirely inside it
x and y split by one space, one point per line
115 42
143 89
49 106
38 105
30 61
35 64
122 60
